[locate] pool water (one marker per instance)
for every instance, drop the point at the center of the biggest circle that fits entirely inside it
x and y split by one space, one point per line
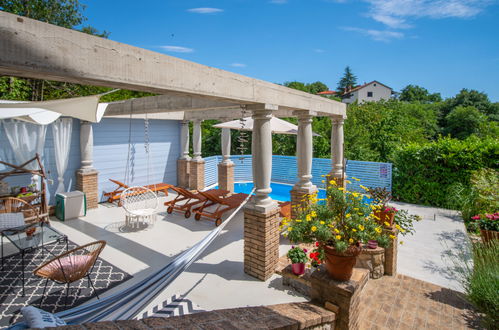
280 191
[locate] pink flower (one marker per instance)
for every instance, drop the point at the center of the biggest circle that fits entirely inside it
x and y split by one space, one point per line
489 216
305 250
476 217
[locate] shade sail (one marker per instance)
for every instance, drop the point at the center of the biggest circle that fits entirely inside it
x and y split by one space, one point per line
278 126
44 112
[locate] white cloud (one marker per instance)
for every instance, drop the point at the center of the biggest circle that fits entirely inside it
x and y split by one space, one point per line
319 50
378 35
177 49
205 10
394 13
238 65
279 2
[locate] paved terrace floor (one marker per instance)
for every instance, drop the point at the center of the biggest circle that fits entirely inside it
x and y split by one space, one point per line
217 279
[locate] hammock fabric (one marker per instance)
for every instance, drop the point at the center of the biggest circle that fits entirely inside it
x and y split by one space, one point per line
129 302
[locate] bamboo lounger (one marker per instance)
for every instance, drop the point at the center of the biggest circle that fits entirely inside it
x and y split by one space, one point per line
116 194
230 203
191 199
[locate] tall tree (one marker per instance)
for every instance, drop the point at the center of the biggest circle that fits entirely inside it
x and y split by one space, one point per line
348 80
414 93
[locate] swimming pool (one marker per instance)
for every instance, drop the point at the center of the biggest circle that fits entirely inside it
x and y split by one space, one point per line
280 191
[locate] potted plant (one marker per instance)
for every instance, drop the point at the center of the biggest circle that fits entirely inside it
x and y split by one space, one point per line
404 221
298 257
489 226
381 197
337 228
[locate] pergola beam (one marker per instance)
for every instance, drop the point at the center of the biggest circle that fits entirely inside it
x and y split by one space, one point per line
30 48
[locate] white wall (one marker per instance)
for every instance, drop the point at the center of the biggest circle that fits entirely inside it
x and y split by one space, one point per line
379 91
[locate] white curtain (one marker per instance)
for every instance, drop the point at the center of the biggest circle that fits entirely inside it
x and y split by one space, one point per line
61 129
26 140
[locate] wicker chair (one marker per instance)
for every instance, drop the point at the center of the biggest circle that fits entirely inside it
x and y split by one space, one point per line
140 204
17 205
71 266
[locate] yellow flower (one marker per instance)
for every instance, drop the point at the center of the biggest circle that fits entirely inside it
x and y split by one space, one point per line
402 230
323 181
336 230
341 188
323 175
314 228
322 222
333 182
298 220
313 214
290 228
355 179
354 230
338 236
361 227
378 230
387 224
356 208
398 227
308 217
348 215
392 236
348 181
364 187
350 240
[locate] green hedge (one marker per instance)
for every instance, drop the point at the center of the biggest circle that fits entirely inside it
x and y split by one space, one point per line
427 173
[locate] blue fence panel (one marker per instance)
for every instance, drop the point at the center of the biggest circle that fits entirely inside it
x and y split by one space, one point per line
243 168
320 168
371 174
211 170
284 169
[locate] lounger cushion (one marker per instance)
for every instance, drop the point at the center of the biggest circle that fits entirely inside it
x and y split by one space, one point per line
11 220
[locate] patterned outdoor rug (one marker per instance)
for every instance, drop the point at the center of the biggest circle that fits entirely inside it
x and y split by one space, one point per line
104 276
175 306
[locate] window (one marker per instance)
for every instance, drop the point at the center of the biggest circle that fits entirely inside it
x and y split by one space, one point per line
374 85
369 94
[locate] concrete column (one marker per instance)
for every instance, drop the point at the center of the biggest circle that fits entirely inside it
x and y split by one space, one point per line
86 144
226 146
337 150
87 175
196 140
261 215
183 163
304 154
184 140
226 166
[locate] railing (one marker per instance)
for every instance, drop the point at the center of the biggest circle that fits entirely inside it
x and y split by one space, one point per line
284 170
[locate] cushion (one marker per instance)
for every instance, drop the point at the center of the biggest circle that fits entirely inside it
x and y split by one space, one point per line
37 318
11 220
72 266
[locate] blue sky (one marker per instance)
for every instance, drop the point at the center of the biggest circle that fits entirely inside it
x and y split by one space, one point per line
442 45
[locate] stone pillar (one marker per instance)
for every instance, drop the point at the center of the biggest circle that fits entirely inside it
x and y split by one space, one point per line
226 166
184 159
391 253
87 175
372 260
304 154
337 151
343 297
261 215
196 170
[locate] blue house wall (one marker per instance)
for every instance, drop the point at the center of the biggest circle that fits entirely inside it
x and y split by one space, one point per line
110 154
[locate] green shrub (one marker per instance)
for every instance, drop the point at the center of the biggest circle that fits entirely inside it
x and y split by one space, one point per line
480 281
428 173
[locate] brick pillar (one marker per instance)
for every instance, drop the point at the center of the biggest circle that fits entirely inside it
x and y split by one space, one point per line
297 197
87 181
343 296
183 171
226 176
196 175
391 253
261 242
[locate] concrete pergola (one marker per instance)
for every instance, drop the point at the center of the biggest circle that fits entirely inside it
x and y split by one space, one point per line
188 92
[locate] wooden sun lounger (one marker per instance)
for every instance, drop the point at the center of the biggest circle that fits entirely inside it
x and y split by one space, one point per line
191 199
230 203
116 194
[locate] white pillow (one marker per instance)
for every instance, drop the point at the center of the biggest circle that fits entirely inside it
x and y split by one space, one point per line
11 220
37 318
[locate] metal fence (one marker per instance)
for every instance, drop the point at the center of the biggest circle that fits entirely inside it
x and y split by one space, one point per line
284 170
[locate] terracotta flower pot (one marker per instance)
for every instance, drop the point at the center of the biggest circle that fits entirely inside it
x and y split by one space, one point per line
298 268
372 244
385 217
340 265
488 235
